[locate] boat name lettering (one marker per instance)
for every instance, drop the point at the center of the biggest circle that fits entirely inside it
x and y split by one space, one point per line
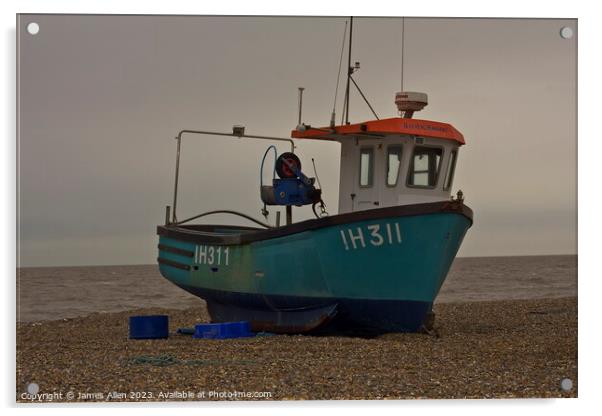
218 256
423 127
375 235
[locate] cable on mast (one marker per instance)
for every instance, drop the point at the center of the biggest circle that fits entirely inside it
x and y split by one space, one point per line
336 91
403 39
349 70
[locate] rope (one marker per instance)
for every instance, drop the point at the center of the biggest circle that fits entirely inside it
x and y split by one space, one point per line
159 360
168 360
224 211
272 147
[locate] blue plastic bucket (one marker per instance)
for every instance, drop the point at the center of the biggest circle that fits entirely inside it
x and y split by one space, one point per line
149 327
223 330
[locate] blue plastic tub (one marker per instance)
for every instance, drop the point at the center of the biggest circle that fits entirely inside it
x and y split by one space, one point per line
149 327
223 330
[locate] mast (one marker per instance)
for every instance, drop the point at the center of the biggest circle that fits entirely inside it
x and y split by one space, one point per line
349 71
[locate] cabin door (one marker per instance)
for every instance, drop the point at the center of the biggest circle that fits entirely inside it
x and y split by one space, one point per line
369 178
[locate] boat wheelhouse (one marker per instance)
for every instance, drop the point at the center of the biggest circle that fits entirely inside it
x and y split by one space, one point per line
392 162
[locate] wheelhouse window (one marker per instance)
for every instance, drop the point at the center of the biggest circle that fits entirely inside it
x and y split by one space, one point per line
451 168
366 167
424 167
393 164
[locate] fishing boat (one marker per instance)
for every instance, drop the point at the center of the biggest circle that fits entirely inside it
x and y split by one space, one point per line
377 265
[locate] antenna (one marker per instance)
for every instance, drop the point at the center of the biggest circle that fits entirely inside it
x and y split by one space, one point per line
403 40
349 70
336 91
300 104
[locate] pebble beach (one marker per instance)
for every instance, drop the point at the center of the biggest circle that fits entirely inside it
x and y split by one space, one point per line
484 349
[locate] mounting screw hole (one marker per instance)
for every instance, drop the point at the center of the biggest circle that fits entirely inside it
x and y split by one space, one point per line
566 32
33 28
566 384
33 388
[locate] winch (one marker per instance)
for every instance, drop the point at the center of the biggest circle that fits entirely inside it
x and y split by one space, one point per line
293 187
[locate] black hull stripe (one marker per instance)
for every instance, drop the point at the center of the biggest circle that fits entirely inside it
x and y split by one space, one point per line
207 234
173 264
175 250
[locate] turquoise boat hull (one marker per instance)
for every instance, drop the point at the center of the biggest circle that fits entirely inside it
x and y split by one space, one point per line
377 270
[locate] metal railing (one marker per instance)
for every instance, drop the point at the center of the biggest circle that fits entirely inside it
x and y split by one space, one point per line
238 131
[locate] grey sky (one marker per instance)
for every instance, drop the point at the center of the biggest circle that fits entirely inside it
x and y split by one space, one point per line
101 98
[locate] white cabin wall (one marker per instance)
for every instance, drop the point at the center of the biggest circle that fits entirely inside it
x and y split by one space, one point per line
348 174
401 194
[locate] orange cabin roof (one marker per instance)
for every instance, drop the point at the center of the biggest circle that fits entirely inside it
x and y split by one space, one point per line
381 128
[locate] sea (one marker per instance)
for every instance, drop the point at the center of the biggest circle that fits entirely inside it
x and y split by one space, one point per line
50 293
